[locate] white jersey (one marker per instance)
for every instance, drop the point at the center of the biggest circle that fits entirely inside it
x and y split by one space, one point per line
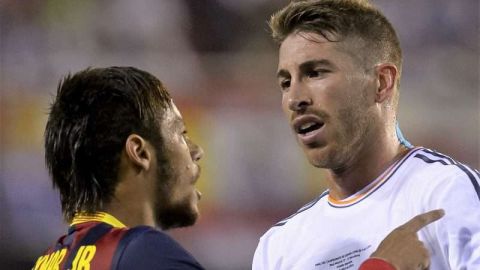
339 235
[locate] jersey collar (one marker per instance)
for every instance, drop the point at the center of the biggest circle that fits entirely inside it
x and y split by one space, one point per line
372 187
97 217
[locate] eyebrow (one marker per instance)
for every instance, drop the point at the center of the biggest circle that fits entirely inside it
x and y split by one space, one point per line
283 73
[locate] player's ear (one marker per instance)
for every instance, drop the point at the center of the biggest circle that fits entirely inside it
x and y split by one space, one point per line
386 77
138 151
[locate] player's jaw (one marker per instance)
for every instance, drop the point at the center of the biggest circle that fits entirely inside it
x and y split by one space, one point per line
177 197
179 214
174 211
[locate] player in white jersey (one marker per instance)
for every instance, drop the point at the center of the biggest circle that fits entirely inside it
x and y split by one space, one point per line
339 70
340 234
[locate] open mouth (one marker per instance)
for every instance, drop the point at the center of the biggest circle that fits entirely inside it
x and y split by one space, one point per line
309 127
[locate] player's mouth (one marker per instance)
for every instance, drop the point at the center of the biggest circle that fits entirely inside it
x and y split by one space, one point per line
308 128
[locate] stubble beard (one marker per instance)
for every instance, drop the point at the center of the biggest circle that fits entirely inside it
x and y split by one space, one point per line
348 141
175 215
168 213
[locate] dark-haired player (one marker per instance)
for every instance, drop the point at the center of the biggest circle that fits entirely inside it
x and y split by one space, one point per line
118 152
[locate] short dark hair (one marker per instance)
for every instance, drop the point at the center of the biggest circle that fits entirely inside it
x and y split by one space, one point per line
94 112
342 18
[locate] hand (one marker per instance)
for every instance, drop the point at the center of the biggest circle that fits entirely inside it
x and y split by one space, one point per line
401 247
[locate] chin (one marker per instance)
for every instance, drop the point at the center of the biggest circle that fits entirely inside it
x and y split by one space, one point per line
318 157
183 214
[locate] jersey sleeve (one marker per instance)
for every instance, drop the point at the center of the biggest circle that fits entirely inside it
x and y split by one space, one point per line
458 233
152 249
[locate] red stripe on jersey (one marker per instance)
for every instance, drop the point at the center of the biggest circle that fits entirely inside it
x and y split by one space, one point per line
106 245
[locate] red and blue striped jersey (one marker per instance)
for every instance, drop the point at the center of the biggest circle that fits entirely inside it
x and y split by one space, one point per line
100 241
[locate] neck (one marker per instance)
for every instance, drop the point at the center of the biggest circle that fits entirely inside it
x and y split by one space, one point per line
364 168
131 203
131 213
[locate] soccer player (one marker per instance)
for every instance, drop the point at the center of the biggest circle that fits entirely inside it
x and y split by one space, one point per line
119 154
339 70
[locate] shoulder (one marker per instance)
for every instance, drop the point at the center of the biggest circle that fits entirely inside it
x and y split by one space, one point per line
303 211
280 238
144 247
435 161
289 225
445 171
454 187
434 180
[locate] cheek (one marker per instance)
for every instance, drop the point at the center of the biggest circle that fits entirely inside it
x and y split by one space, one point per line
286 110
182 191
354 118
179 152
344 99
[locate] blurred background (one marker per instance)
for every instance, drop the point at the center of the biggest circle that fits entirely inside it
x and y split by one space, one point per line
217 60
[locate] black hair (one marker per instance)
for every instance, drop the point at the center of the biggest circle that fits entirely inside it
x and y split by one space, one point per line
94 112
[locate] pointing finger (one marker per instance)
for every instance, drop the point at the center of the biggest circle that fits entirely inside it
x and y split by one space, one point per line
418 222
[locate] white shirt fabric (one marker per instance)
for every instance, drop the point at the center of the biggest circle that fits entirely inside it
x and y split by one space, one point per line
339 235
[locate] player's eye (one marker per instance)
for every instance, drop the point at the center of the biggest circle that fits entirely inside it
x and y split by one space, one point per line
315 73
284 84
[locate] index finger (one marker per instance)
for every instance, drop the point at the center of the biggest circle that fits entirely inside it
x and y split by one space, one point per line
418 222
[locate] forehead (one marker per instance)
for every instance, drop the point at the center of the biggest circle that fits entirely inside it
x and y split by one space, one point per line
301 47
172 116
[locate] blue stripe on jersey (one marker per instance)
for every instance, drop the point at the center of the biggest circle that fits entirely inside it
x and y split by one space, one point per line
467 170
305 207
440 156
472 178
427 160
477 172
129 235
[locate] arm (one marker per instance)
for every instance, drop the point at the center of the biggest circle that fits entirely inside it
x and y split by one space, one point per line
458 234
